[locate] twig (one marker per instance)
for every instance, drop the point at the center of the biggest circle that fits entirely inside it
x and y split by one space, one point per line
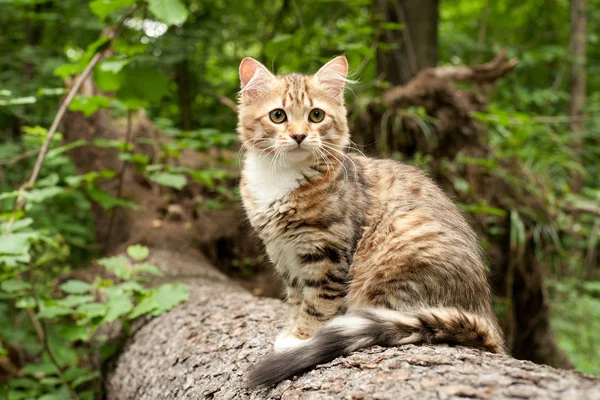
18 158
42 333
226 101
20 202
122 171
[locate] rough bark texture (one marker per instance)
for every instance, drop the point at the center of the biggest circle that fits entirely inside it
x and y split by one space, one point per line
204 348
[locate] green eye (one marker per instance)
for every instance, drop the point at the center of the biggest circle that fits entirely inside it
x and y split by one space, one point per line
278 116
316 115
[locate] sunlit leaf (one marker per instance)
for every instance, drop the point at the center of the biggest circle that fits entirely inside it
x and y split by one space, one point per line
102 8
138 252
177 181
171 12
75 286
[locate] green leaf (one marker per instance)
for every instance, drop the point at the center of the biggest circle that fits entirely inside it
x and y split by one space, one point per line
85 378
14 247
118 265
132 286
92 310
138 252
149 269
15 243
25 302
50 309
113 144
177 181
40 195
108 75
39 369
18 225
13 285
102 8
161 299
117 306
89 104
18 101
59 150
171 12
75 286
391 26
73 300
135 91
74 333
108 201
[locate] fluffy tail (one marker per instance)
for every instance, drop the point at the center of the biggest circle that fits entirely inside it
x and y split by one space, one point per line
369 327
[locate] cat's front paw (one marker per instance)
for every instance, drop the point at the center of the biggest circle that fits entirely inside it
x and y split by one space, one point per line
286 341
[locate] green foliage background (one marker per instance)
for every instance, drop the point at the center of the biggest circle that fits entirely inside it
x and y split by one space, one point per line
44 42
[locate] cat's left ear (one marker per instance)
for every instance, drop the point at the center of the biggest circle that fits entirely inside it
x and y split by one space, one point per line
332 76
255 78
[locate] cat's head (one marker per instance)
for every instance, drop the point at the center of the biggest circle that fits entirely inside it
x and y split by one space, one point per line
296 117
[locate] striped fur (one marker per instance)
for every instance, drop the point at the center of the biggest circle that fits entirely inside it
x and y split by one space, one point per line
372 239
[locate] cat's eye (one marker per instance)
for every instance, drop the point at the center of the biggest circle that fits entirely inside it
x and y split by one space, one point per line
316 115
278 116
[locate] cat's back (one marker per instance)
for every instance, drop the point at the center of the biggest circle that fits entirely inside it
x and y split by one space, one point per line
405 201
404 187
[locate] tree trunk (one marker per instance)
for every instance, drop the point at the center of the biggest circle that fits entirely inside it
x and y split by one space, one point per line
408 50
203 349
578 52
182 78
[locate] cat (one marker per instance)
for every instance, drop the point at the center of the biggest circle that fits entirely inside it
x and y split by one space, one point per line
371 251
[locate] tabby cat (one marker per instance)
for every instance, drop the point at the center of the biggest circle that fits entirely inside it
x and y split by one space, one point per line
371 251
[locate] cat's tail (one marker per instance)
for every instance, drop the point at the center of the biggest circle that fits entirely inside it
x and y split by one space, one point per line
368 327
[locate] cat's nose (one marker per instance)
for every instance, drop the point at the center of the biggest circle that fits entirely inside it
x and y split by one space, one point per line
298 137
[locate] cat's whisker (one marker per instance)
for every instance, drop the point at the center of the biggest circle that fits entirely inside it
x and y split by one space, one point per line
244 149
268 150
339 161
320 155
344 155
354 146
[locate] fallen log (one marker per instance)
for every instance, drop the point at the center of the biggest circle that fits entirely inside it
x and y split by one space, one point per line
203 349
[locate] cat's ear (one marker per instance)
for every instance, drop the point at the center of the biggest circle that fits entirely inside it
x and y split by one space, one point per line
332 76
255 78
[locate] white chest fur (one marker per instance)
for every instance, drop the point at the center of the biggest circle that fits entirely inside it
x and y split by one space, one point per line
269 181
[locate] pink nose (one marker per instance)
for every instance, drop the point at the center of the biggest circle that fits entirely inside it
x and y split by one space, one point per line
298 137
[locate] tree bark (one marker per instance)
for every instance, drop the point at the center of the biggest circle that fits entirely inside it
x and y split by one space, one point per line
203 349
182 78
408 50
578 52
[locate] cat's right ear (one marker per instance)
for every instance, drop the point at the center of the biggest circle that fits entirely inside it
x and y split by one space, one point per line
255 78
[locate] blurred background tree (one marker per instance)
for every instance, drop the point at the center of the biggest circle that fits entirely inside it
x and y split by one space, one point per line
521 157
